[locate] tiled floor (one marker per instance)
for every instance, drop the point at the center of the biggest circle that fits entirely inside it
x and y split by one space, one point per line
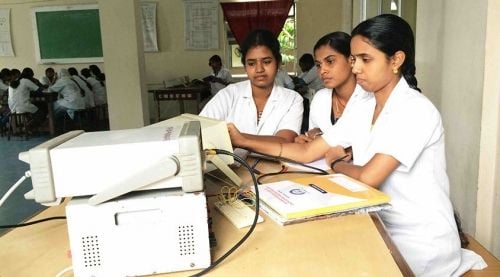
16 209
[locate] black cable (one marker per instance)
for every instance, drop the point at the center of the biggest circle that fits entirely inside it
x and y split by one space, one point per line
31 222
254 223
285 172
291 161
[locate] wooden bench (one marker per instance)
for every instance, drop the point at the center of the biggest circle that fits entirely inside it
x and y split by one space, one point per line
493 269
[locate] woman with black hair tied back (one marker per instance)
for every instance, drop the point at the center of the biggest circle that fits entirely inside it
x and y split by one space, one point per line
263 110
397 141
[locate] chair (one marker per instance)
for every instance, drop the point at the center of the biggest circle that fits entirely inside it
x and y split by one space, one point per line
18 125
101 117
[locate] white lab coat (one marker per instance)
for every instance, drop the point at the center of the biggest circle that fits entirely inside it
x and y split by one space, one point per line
283 110
421 221
89 94
99 91
223 74
321 107
282 79
312 79
69 93
19 98
3 87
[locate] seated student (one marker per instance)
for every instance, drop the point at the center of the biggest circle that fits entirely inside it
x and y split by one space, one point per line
220 77
70 96
398 144
257 106
83 85
98 87
4 94
96 72
309 78
50 77
19 99
332 55
283 79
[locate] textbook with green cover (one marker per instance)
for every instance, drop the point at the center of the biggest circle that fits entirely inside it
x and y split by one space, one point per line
315 196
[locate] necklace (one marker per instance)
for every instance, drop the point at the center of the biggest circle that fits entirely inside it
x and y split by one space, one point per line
336 100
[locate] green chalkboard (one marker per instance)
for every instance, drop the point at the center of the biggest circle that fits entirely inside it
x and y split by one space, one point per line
68 34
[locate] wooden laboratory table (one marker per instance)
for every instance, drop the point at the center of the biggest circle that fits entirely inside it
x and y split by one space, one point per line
342 246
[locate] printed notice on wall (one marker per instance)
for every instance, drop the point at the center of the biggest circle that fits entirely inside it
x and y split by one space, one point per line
202 24
5 40
149 26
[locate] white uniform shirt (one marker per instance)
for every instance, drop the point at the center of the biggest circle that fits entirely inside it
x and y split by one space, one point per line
19 98
312 79
45 81
3 86
421 221
223 74
283 110
282 79
89 94
321 107
99 91
69 93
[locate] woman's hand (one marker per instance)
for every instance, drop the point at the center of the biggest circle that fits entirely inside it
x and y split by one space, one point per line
302 139
309 136
237 139
335 153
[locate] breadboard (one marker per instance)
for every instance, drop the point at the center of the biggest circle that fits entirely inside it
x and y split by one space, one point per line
238 213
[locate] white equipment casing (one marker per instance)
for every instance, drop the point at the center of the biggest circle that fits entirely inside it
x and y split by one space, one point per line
147 233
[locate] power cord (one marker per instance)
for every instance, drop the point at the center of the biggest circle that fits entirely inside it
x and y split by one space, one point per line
31 222
254 223
27 174
283 159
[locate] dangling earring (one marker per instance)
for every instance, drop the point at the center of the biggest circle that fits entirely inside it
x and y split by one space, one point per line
395 71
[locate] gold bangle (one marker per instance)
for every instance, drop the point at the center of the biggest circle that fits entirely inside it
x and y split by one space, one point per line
281 149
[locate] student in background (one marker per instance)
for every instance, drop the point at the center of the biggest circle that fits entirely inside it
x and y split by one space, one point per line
14 74
309 78
283 79
19 99
332 57
220 77
71 98
262 110
83 85
97 87
4 95
50 77
96 72
397 139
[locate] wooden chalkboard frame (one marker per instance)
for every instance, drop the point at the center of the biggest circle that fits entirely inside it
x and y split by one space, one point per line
62 60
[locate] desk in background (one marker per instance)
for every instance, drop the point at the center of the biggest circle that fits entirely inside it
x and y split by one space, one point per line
176 94
47 98
341 246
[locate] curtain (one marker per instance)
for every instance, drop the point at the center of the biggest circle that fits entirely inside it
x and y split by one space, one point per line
243 17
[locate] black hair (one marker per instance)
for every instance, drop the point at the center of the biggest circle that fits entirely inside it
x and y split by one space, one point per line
85 72
215 58
95 69
339 41
27 73
307 60
390 33
5 74
261 37
72 71
49 69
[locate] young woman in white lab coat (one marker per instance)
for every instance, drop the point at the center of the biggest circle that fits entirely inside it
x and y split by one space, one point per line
260 109
397 140
332 57
98 87
70 97
19 98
